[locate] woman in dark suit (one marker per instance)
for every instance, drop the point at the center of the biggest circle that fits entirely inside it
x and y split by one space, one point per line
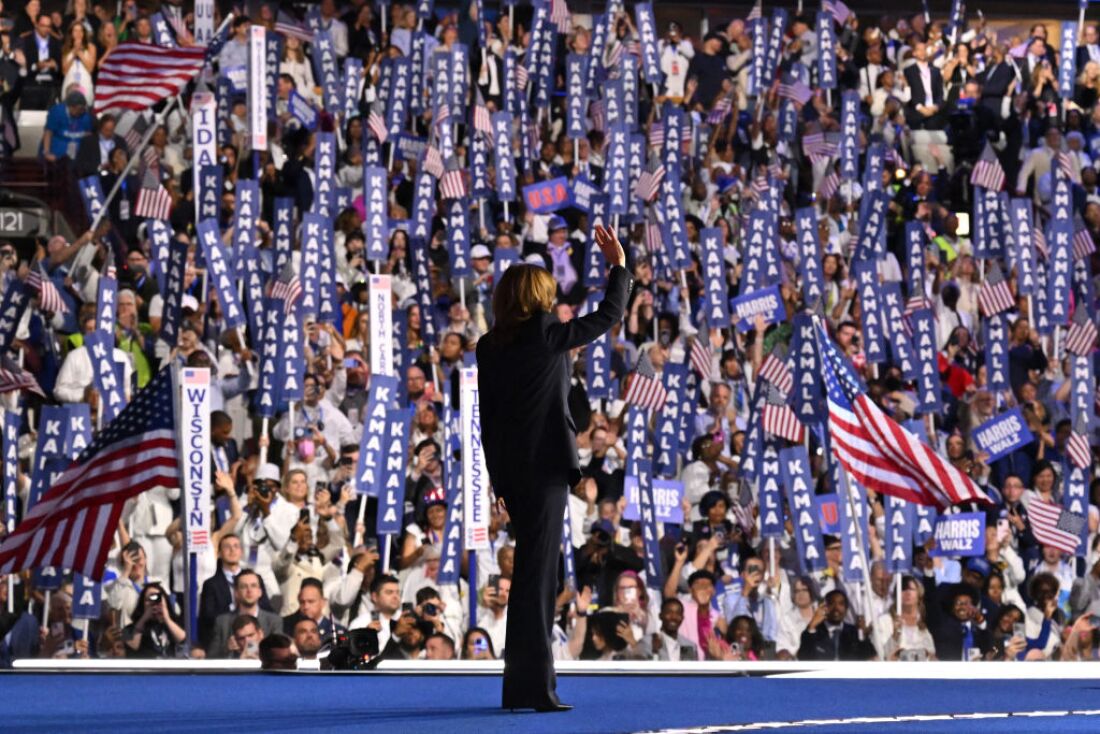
531 451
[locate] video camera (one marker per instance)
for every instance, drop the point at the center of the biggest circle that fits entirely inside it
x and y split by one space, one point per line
354 650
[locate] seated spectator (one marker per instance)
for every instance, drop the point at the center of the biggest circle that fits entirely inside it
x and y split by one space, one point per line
157 630
829 637
247 593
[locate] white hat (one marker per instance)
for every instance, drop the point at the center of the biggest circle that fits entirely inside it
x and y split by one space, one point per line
535 259
190 302
268 472
479 251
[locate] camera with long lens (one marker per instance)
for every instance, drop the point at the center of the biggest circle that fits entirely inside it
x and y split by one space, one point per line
354 650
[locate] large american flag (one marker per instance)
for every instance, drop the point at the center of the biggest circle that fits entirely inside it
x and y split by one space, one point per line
287 287
74 523
879 453
49 298
153 201
987 171
994 296
136 76
1054 526
778 419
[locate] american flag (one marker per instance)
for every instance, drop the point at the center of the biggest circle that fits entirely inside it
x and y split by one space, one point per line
1064 162
649 183
778 419
521 76
656 134
136 132
560 15
483 121
774 369
74 523
653 242
13 377
994 296
49 298
644 388
817 148
288 26
1055 526
719 112
615 57
1083 246
136 76
915 303
795 89
879 453
377 126
829 185
837 9
433 161
453 183
756 12
153 200
287 287
1082 333
1077 448
597 112
987 171
701 356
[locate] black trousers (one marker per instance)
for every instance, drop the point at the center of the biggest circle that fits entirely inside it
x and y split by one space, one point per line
537 512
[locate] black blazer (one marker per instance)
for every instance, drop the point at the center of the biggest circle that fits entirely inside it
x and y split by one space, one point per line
916 87
949 639
88 156
216 599
30 51
817 645
524 392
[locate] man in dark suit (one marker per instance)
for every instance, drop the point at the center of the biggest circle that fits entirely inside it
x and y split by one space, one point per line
924 110
524 370
959 632
1037 53
94 151
997 79
217 592
43 54
248 590
829 637
1090 49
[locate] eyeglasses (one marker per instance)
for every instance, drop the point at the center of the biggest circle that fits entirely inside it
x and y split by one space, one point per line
753 568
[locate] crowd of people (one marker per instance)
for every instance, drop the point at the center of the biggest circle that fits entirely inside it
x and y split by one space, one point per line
292 566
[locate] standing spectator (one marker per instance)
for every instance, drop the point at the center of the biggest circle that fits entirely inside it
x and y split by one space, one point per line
248 592
42 52
829 637
157 630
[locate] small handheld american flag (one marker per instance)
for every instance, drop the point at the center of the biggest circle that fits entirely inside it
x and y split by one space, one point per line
644 388
1054 526
153 201
1077 447
994 295
49 298
453 183
13 377
649 183
774 369
377 125
778 418
701 356
287 287
1082 333
988 172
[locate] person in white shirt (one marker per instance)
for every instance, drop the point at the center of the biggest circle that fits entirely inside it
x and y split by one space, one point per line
74 380
795 619
262 537
336 28
675 54
315 411
494 618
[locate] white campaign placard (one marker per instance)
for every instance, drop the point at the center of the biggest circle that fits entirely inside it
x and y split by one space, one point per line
381 325
204 138
194 440
475 472
257 83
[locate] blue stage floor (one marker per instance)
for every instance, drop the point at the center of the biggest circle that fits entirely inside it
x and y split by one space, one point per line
156 703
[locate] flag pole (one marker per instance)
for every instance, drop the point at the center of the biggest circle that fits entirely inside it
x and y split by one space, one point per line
134 158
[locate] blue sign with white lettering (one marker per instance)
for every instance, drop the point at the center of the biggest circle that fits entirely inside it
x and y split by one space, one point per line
766 301
960 535
1003 434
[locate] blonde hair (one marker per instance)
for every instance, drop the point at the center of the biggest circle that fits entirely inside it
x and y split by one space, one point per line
523 291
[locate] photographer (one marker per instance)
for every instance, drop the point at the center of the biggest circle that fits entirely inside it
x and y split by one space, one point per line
157 631
260 545
600 561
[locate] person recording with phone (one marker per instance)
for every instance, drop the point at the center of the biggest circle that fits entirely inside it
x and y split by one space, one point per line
157 630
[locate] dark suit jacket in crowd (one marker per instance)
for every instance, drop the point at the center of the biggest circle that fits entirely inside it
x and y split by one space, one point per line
30 51
88 156
524 391
817 645
270 623
949 639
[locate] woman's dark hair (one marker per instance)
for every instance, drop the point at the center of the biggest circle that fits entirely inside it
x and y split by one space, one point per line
754 632
139 610
476 631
